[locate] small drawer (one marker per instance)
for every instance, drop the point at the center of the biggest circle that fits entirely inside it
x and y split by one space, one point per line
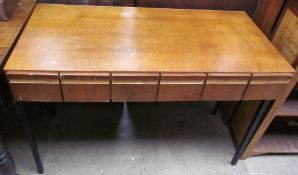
34 86
85 87
267 86
180 87
222 86
134 87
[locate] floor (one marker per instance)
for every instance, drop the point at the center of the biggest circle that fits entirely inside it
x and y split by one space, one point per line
133 139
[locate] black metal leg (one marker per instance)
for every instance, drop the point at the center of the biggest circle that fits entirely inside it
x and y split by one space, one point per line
20 110
261 113
51 109
216 108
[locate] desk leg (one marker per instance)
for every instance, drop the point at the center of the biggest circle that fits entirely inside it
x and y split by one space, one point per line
259 117
21 112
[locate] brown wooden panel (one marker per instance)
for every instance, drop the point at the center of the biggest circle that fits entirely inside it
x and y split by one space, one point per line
34 86
184 41
221 86
267 13
248 6
7 7
243 118
85 87
180 87
286 37
11 29
267 86
139 87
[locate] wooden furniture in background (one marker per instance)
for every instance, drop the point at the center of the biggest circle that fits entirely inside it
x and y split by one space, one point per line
248 6
121 53
286 40
267 14
92 2
7 7
271 137
9 33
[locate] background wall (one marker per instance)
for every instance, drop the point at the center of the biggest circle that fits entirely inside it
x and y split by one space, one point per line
246 5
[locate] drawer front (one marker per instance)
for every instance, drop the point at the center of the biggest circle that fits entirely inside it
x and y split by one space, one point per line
180 87
267 86
225 86
34 86
134 87
88 87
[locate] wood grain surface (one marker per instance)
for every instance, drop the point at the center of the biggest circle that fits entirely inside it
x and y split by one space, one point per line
181 87
128 39
286 37
267 13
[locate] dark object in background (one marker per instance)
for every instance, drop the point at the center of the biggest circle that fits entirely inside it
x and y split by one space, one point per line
91 2
7 166
248 6
7 7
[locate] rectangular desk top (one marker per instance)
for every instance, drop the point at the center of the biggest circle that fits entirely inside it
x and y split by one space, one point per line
65 38
100 54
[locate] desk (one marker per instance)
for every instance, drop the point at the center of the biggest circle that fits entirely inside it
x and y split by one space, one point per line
119 54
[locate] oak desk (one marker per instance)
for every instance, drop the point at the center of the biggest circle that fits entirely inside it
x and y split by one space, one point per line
117 54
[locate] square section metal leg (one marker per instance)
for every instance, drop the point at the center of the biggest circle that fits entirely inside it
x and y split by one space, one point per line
21 112
261 113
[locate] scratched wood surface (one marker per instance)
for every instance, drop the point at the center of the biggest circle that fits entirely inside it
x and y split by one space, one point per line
128 39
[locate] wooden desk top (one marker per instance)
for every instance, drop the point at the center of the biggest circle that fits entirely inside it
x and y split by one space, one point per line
128 39
11 29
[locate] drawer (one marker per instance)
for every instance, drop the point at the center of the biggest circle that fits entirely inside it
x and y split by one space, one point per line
180 87
222 86
34 86
85 87
134 87
267 86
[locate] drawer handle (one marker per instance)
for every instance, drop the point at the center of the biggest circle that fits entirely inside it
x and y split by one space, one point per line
165 82
33 81
126 82
214 81
85 81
